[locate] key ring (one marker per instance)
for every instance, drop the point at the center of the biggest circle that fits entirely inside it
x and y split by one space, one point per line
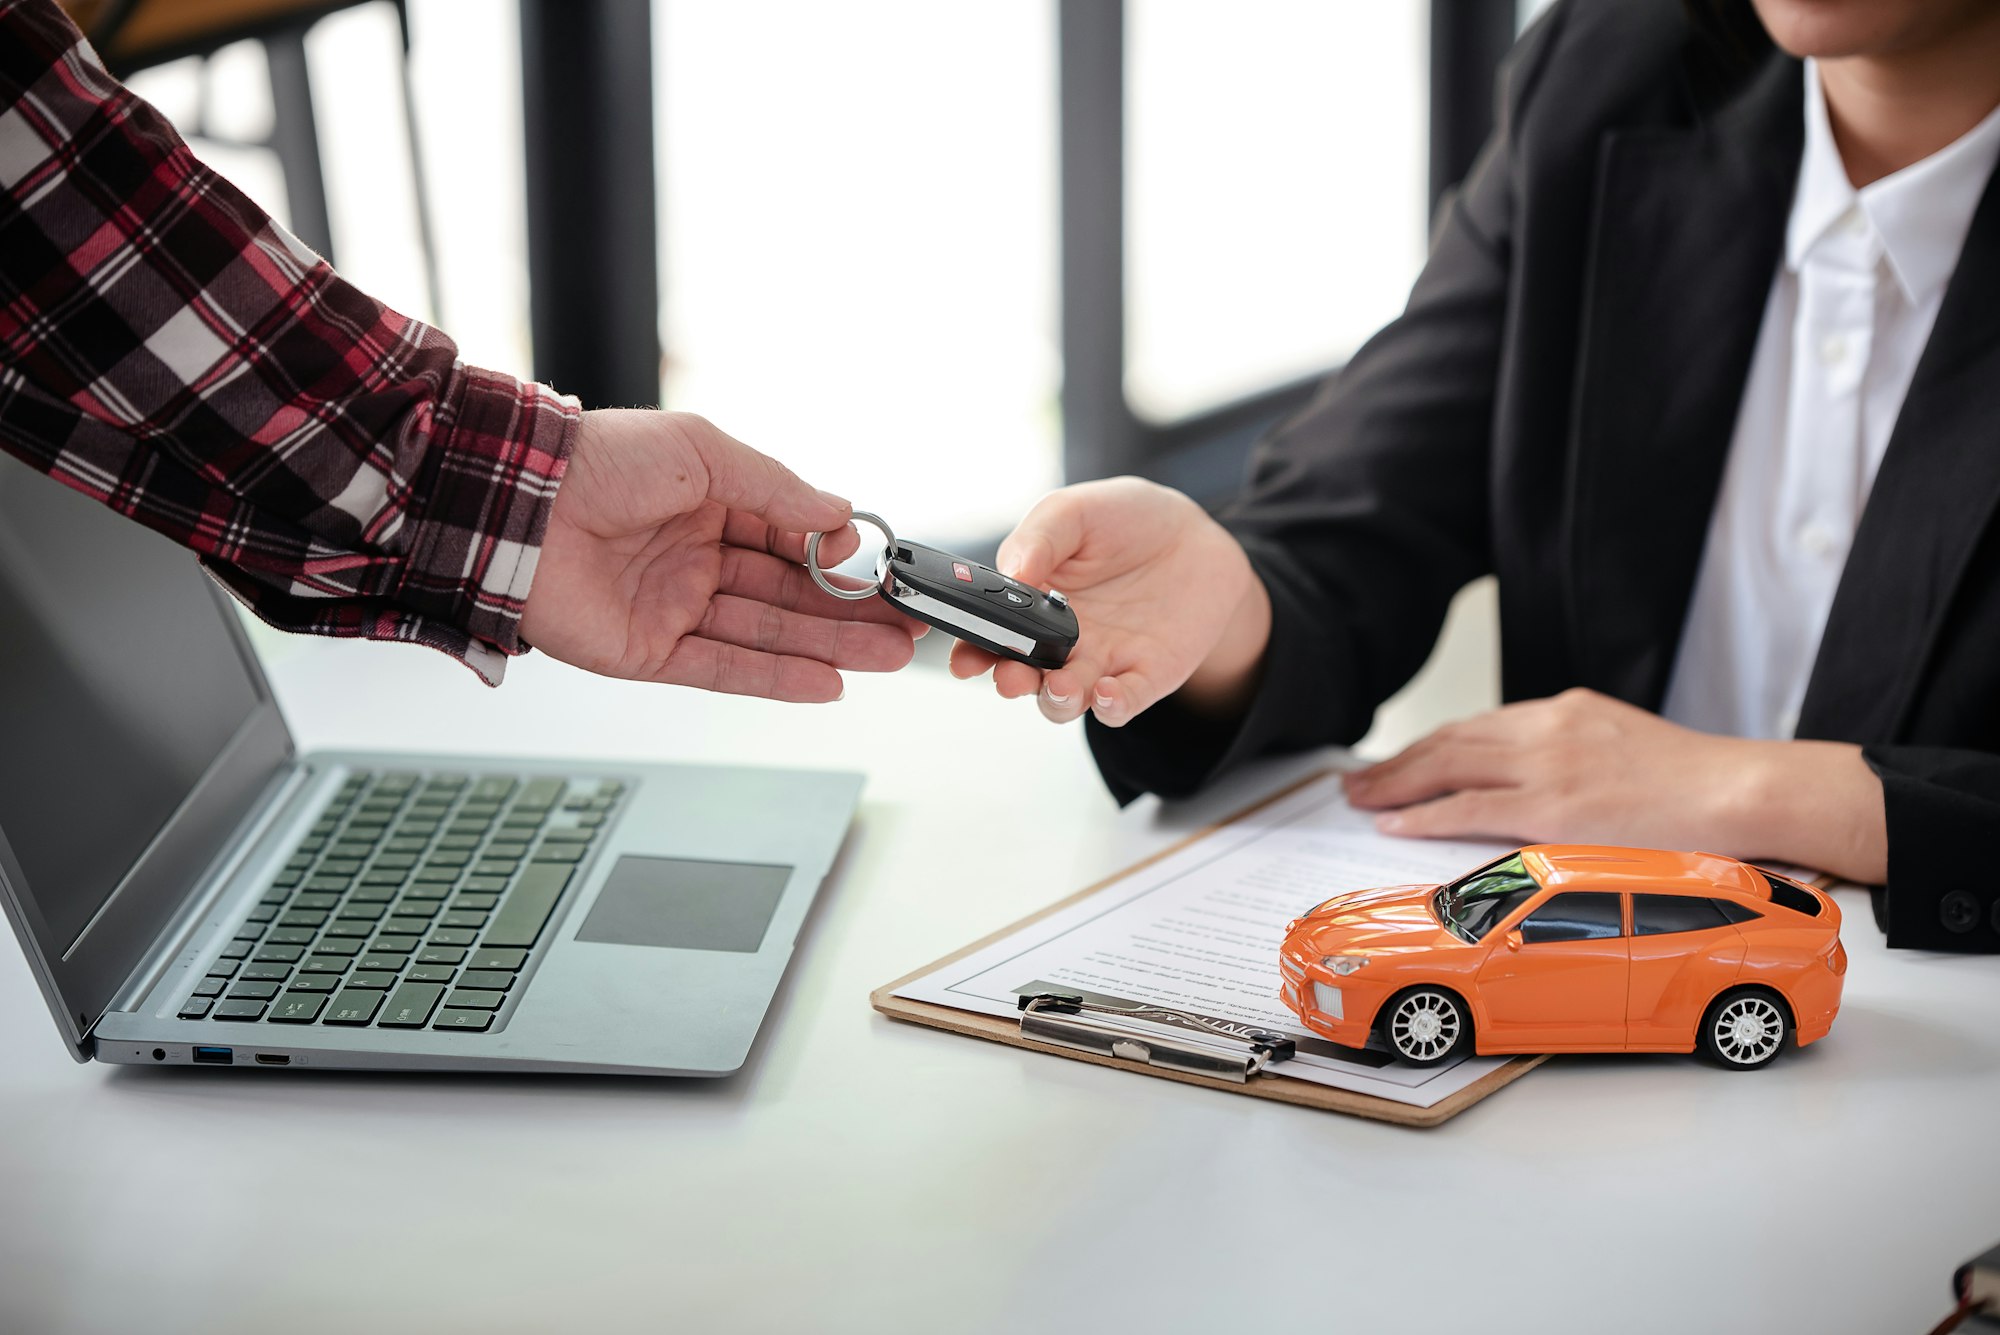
819 576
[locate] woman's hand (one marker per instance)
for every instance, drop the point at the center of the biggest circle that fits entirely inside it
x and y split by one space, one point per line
1583 768
673 554
1165 599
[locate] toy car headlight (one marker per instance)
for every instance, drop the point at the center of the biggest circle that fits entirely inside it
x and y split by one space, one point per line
1343 965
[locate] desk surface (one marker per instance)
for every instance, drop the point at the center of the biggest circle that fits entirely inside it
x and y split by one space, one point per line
861 1175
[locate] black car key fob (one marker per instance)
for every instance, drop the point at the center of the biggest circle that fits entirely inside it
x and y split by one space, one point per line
964 599
979 605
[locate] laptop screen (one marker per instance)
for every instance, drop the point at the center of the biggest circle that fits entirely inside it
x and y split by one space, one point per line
121 685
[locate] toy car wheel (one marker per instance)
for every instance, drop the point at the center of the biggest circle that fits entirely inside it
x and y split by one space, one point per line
1426 1025
1744 1029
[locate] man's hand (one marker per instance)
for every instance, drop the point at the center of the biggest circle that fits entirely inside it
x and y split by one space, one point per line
673 554
1164 596
1583 768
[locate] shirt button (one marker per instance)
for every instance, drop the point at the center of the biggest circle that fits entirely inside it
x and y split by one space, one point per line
1816 539
1833 349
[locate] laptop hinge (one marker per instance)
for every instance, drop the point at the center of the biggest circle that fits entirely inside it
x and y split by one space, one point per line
174 939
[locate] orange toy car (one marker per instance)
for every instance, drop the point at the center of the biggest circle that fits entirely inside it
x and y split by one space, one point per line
1573 948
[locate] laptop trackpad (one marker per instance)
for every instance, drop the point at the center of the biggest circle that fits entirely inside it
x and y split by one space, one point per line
686 905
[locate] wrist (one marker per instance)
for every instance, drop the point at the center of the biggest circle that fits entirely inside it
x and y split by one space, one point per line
1227 678
1813 803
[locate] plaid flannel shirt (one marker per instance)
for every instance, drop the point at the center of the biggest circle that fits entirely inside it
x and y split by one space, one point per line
169 350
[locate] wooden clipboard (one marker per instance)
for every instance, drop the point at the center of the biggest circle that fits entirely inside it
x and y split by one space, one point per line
1304 1093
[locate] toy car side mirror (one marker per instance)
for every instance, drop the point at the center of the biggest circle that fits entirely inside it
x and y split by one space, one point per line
1513 940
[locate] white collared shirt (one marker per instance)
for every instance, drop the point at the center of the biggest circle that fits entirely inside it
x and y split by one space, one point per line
1850 310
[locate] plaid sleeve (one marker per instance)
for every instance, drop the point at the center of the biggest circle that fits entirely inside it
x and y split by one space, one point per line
169 350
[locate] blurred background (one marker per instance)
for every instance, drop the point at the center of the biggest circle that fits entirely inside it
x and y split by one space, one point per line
937 257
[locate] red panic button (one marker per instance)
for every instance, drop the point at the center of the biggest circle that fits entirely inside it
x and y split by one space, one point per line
960 570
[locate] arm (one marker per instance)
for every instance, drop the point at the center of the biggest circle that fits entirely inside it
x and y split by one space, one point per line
1365 512
174 353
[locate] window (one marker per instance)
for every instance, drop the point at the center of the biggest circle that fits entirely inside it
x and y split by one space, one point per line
1472 905
1735 912
1657 915
1578 915
1786 895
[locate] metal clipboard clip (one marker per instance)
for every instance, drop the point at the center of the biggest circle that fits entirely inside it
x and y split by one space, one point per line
1218 1048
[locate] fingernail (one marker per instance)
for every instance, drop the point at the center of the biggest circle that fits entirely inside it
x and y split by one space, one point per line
1390 822
1054 698
842 696
1102 701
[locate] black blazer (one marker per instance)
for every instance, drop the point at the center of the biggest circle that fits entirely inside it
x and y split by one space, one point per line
1555 406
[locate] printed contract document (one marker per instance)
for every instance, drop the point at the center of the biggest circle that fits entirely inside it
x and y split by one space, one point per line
1198 931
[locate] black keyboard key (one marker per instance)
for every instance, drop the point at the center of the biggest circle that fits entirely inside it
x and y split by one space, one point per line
433 973
477 1021
262 913
370 979
299 918
427 891
405 845
381 963
492 788
485 885
275 954
372 894
410 1005
288 877
496 867
222 969
382 876
460 840
195 1008
361 912
253 991
298 1008
396 861
314 901
590 820
510 960
210 987
340 867
412 907
351 928
354 1007
238 1010
289 936
236 950
501 848
440 955
325 964
325 885
277 894
436 875
447 857
476 903
338 946
560 853
486 980
298 862
539 793
566 836
393 945
406 926
528 906
266 973
609 787
315 982
475 1000
463 919
454 936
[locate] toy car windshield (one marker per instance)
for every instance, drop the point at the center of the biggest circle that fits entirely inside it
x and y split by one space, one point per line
1472 904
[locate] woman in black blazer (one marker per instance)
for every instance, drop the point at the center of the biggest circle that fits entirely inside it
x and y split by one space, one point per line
1556 406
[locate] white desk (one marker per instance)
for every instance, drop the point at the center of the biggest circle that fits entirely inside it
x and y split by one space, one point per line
862 1175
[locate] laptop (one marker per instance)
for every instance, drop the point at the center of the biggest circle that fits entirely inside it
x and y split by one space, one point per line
190 890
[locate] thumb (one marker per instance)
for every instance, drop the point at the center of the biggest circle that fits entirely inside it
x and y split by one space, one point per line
1049 535
755 483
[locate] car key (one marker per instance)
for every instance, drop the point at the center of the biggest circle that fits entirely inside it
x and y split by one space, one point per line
963 598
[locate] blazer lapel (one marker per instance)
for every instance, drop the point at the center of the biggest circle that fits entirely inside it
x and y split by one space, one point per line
1688 233
1934 495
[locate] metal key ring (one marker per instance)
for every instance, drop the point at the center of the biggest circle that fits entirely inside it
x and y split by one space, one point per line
819 576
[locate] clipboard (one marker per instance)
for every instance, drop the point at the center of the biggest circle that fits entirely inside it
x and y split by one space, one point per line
1236 1063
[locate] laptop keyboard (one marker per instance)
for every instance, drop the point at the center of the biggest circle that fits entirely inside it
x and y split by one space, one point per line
412 903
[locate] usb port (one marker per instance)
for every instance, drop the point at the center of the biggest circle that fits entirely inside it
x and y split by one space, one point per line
214 1056
274 1059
